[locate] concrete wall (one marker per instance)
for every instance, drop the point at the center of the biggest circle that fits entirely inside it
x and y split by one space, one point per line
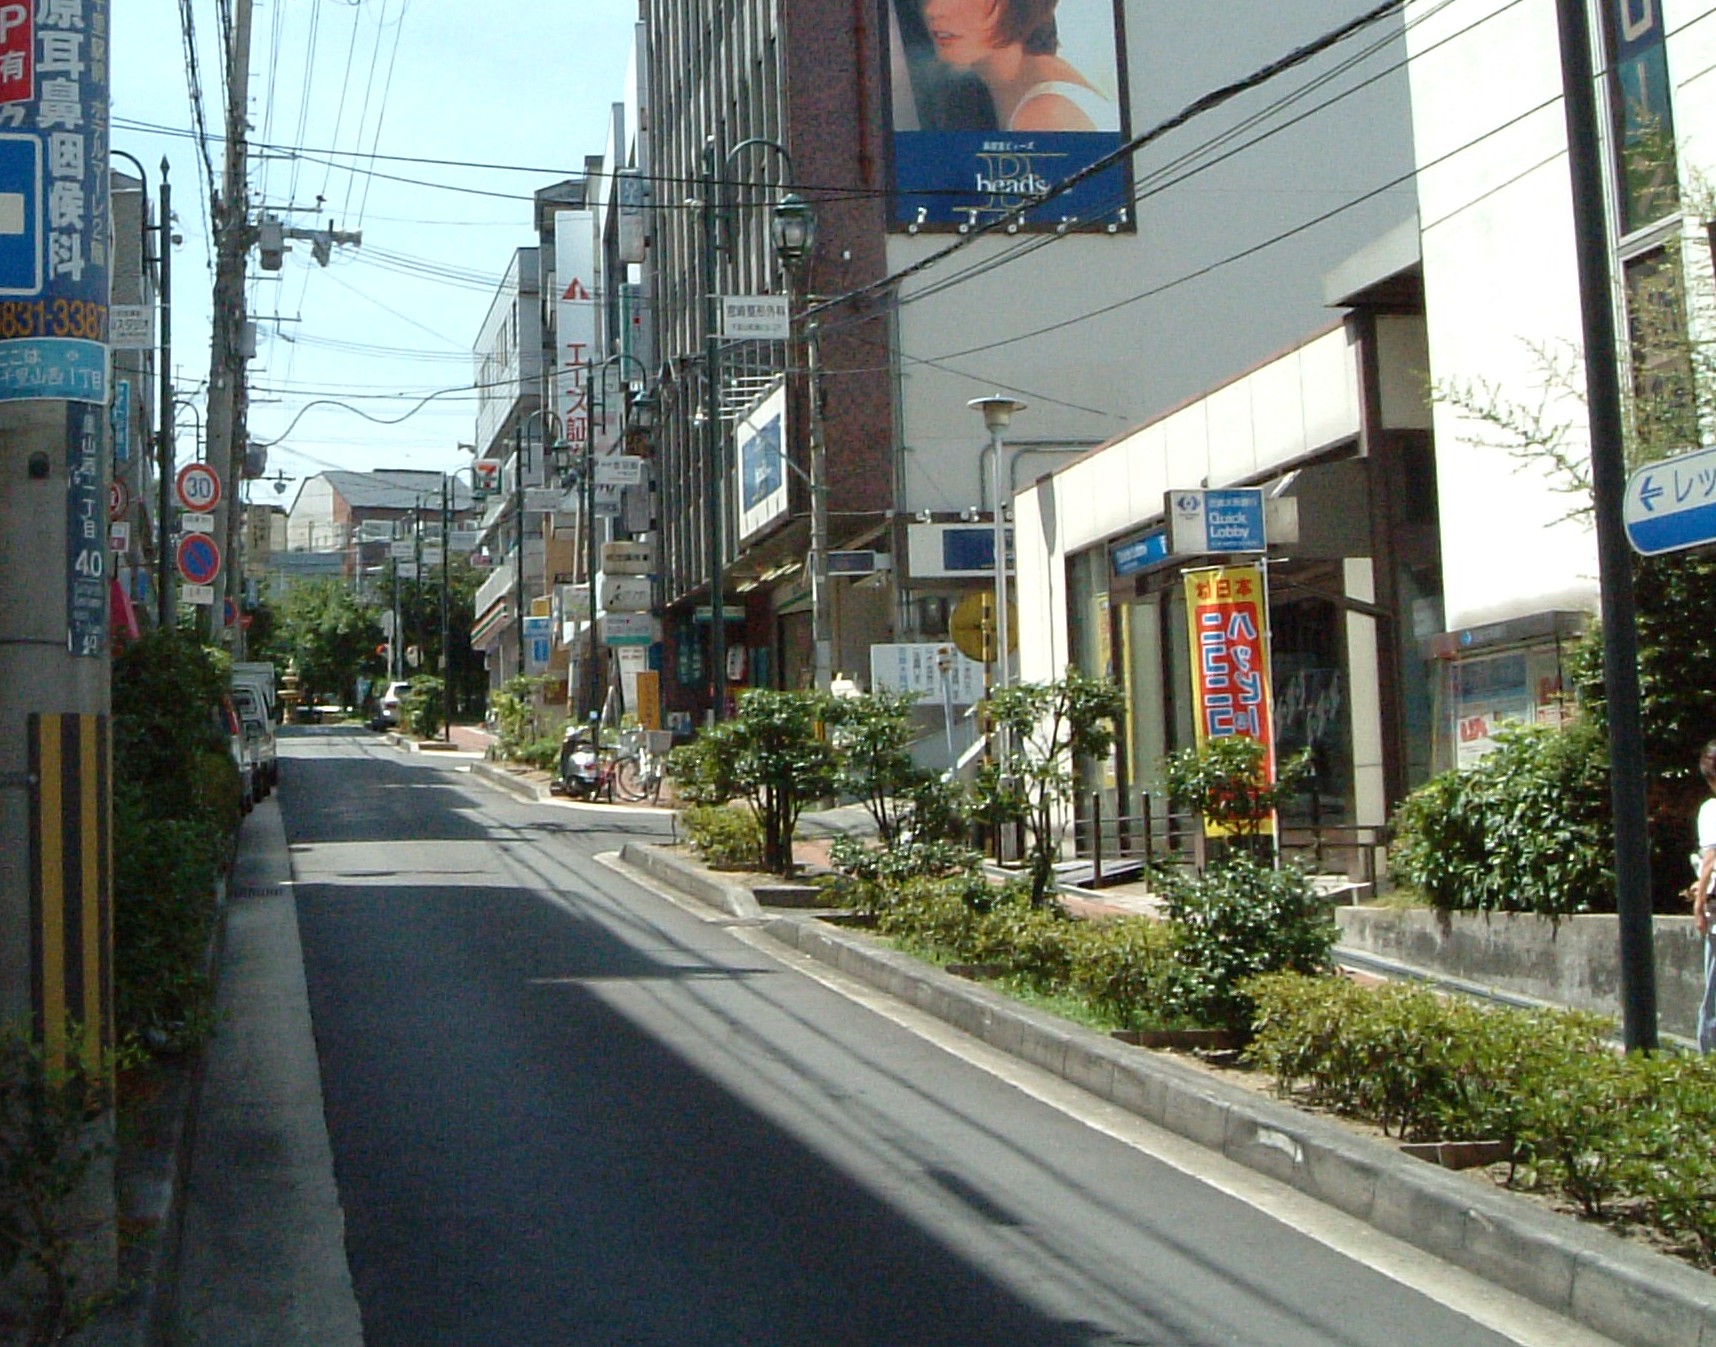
1572 962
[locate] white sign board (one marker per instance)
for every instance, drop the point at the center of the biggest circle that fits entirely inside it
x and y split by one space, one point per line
931 669
755 318
629 629
628 558
432 554
131 327
620 470
575 321
196 523
625 593
542 499
201 595
463 540
406 570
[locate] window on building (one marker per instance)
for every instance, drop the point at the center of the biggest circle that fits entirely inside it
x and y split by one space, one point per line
1642 150
1664 391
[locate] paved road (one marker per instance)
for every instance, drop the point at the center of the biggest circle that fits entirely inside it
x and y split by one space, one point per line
565 1110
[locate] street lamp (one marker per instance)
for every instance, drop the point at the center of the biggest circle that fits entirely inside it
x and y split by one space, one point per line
793 229
997 416
714 496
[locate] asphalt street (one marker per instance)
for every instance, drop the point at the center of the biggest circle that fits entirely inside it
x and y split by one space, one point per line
566 1110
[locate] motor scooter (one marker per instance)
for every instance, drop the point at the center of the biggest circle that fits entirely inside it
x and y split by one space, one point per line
581 775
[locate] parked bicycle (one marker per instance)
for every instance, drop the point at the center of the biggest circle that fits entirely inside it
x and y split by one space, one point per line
640 764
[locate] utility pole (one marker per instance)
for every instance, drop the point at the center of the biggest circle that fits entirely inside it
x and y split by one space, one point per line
56 933
714 495
1614 556
227 356
164 615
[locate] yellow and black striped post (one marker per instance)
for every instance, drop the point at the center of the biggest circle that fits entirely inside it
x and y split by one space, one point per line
71 888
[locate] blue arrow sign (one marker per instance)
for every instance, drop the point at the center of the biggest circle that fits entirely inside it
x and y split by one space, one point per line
1670 505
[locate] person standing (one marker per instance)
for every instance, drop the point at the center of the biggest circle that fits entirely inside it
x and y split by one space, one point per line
1699 893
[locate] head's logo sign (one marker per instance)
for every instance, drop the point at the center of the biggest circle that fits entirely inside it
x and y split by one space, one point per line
17 53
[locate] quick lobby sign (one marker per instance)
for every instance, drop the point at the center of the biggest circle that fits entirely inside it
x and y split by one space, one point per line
1215 523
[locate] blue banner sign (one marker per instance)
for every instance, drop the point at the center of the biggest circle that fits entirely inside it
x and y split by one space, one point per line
1140 554
86 533
54 221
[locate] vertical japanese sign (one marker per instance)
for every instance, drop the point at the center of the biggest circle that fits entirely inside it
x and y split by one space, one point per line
86 532
54 221
574 322
1227 610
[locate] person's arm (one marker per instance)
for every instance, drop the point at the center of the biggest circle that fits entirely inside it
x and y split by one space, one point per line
1701 890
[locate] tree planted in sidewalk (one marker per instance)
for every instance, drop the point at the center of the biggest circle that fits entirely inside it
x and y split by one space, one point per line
774 755
1051 727
332 635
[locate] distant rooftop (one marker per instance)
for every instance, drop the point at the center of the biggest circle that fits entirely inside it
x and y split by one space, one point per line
394 489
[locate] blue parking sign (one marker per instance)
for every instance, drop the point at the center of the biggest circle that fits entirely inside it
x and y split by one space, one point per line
21 252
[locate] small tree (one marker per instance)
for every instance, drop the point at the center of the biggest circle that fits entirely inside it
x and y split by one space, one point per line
1226 781
772 755
873 735
1051 726
422 708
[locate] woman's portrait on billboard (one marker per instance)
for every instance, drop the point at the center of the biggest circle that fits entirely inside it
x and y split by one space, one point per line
1005 65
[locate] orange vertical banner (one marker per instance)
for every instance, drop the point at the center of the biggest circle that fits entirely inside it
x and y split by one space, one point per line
1227 612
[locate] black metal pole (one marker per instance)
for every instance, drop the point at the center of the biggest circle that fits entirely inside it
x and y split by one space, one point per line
164 448
518 509
592 710
446 623
713 495
1614 558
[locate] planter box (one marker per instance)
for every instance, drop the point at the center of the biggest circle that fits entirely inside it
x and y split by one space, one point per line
1572 962
1181 1040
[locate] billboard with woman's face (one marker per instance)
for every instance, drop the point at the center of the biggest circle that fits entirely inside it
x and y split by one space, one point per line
996 102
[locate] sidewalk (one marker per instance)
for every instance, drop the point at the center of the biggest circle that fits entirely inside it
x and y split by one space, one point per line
251 1237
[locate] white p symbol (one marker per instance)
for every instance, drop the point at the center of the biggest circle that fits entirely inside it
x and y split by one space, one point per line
12 16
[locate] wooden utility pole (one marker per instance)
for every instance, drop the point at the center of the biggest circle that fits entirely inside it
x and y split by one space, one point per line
227 356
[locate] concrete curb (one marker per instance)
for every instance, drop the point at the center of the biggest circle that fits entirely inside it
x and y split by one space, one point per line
1578 1270
511 782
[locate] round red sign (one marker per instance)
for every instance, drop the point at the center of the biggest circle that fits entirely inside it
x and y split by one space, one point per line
198 487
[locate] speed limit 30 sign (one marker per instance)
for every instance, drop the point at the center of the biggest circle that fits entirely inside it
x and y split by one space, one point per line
198 487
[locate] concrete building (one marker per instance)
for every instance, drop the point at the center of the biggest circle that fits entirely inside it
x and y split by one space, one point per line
353 515
511 432
1435 577
136 277
935 279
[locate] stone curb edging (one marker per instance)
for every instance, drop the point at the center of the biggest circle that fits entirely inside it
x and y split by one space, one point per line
1581 1271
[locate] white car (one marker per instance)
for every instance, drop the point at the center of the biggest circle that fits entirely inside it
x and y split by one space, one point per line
388 714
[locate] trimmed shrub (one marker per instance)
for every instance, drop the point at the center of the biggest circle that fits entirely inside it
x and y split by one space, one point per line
1524 830
1236 921
729 839
1125 968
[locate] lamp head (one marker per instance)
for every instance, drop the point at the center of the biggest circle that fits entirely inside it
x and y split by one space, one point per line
642 410
997 410
793 229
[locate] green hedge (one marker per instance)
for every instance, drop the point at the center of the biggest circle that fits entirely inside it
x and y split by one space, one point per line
1526 829
1620 1136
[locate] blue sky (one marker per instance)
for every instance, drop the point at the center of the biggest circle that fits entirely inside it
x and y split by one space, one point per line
525 87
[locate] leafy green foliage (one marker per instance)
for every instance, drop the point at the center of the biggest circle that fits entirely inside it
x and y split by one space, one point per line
516 708
1618 1135
729 839
1524 830
176 810
1051 726
1237 921
1226 782
46 1156
421 708
872 737
772 755
331 635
